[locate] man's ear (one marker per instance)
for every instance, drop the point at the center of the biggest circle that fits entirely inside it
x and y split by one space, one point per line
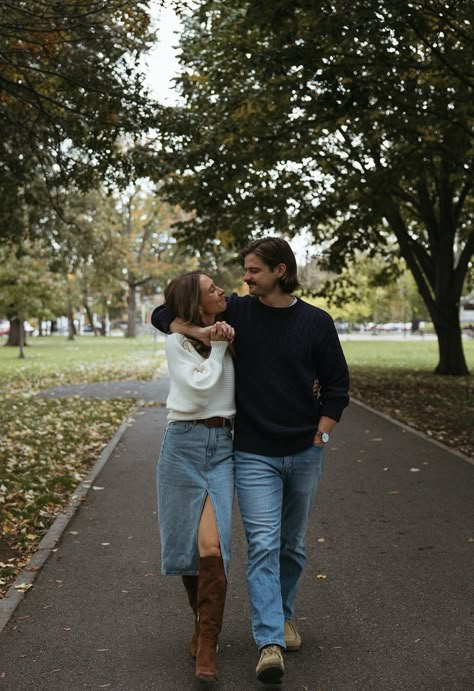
281 270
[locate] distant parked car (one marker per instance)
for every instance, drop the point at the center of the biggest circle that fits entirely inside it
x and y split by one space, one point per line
5 328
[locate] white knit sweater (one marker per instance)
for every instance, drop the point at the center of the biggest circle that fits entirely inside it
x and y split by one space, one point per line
200 387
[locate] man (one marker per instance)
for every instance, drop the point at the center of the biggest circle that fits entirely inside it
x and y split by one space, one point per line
282 345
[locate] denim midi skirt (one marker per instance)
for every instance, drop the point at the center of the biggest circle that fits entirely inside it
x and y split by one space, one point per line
195 461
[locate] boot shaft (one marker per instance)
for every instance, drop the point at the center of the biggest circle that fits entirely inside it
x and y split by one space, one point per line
212 590
191 585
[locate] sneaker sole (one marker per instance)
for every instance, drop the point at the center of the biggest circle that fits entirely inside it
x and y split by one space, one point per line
292 648
271 675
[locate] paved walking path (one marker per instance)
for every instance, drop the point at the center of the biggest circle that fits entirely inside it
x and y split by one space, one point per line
383 605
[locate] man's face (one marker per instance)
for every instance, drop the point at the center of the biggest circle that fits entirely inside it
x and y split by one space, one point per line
260 279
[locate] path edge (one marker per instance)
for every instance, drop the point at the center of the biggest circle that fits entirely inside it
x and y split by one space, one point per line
28 574
414 431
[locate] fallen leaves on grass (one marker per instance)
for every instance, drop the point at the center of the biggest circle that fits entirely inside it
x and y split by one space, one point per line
441 407
46 448
37 377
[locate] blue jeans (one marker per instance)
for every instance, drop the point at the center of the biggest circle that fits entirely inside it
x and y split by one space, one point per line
275 497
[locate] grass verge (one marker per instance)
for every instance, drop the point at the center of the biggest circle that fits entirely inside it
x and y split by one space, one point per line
396 378
47 446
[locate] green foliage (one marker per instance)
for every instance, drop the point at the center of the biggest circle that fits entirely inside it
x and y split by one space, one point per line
365 290
351 121
71 99
28 287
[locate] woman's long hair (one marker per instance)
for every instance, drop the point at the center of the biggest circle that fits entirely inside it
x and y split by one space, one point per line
183 297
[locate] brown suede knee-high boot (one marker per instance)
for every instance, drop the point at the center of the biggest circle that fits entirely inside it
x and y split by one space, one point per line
212 589
191 585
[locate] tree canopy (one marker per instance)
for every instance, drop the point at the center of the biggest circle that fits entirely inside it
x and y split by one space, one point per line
71 98
350 120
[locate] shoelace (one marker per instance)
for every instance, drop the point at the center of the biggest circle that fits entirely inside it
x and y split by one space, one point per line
271 650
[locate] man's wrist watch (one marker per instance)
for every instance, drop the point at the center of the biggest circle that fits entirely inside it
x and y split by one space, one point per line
324 436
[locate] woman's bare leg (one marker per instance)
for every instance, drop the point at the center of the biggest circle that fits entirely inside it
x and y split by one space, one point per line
208 536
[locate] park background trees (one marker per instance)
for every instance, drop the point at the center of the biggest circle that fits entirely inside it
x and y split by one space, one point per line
73 111
349 121
72 98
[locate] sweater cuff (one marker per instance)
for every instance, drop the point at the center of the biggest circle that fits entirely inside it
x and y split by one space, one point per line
333 409
218 349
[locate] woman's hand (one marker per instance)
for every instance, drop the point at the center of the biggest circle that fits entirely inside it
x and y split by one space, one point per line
221 331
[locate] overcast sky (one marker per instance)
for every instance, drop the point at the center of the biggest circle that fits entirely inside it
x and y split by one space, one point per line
162 63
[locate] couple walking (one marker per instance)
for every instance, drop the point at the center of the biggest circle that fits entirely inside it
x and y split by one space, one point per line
242 410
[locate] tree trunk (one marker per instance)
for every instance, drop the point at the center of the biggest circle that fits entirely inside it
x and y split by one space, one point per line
21 354
14 337
451 352
438 281
132 309
90 317
103 326
70 322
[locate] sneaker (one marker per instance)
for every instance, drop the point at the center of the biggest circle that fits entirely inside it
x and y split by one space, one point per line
292 637
270 667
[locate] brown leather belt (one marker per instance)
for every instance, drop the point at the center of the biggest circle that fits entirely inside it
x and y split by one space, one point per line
214 422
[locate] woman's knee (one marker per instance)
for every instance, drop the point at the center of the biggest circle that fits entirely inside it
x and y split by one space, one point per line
208 537
209 550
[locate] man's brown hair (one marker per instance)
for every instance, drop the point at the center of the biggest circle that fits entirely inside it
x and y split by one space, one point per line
273 251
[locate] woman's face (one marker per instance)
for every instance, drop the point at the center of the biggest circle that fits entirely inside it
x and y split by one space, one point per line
212 298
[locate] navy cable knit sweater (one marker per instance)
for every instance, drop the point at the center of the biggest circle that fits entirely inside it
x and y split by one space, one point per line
279 353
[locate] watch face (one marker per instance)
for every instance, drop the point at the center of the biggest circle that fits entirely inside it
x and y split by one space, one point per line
324 437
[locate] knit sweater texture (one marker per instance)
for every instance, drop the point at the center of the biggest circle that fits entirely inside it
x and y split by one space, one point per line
199 387
279 353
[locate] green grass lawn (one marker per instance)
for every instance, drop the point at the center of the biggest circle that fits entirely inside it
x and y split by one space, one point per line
55 360
413 355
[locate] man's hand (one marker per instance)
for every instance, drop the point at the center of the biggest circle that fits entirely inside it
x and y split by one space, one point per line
221 331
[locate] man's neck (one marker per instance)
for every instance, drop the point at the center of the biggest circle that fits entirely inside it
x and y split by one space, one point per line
277 299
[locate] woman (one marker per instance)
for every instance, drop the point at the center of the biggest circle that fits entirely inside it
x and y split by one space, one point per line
195 468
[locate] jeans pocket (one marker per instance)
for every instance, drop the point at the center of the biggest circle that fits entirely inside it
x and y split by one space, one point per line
179 427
